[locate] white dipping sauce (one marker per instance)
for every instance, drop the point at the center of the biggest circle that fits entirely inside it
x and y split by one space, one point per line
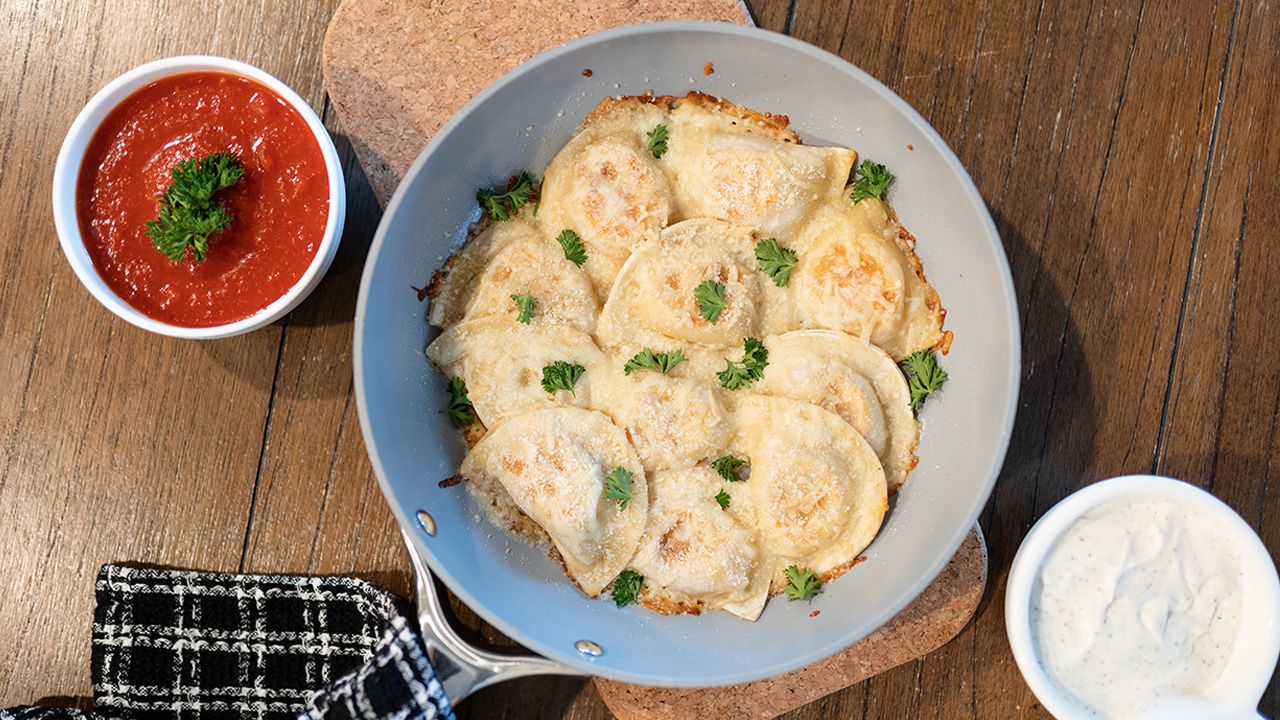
1140 598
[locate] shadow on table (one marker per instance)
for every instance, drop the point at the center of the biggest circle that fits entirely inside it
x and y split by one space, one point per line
546 696
66 701
334 301
321 326
1054 435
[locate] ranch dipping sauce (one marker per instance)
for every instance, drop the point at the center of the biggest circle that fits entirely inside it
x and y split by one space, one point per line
1139 599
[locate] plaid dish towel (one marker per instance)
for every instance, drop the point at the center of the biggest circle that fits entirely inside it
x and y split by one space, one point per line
176 645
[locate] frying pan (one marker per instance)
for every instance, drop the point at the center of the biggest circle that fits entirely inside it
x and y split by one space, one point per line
519 123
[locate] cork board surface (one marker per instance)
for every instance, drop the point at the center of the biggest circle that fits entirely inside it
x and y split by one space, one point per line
928 623
396 72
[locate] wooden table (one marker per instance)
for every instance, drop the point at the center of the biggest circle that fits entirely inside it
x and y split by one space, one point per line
1127 150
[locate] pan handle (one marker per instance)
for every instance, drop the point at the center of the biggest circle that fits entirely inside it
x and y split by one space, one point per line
462 668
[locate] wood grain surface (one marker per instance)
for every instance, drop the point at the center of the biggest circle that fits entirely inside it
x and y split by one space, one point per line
1127 151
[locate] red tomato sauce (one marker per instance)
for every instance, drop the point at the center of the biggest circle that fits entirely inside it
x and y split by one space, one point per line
279 208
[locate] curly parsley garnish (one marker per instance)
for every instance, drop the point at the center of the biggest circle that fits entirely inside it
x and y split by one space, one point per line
460 410
728 467
525 303
801 583
723 498
923 376
775 261
740 374
502 206
618 486
188 213
649 360
657 141
574 250
561 375
710 297
626 588
873 180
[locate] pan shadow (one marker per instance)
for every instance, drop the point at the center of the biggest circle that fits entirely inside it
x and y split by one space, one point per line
1054 433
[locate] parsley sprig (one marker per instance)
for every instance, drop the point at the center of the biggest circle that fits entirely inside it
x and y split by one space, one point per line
923 376
618 486
525 303
647 359
574 250
723 498
626 588
561 375
802 584
873 180
741 374
657 141
460 410
728 467
188 213
775 261
502 206
710 297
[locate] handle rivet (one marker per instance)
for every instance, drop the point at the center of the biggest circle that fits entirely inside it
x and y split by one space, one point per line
588 648
427 522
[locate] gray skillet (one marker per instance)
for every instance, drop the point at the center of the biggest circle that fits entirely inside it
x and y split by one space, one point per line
518 123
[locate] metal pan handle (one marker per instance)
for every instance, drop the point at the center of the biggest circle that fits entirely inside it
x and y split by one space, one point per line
461 667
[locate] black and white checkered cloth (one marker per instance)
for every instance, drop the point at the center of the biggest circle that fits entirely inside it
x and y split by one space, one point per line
175 645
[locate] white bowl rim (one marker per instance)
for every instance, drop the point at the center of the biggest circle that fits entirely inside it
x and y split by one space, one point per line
1248 672
67 170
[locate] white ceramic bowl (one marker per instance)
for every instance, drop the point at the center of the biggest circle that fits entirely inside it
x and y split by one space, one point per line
67 171
1249 669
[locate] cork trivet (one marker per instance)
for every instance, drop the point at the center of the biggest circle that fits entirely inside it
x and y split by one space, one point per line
396 72
932 619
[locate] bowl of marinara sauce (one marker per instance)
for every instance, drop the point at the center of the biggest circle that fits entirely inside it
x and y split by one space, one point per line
198 197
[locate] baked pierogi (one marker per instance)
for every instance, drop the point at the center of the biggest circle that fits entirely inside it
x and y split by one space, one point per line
747 169
759 420
853 379
553 465
609 189
696 554
653 299
856 274
501 361
816 490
